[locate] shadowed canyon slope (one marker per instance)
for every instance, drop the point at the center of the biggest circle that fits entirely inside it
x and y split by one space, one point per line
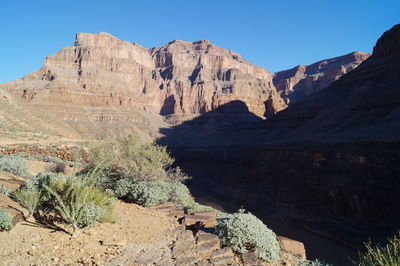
330 160
296 83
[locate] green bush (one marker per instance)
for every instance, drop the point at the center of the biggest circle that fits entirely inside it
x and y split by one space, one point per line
150 192
143 192
14 165
244 232
27 198
388 255
5 221
130 158
79 203
316 262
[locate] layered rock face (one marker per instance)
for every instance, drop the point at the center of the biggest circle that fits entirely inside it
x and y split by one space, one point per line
105 80
199 77
296 83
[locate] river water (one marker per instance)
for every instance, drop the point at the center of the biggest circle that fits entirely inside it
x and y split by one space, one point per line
316 246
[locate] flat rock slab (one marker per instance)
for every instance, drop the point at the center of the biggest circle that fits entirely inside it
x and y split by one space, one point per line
206 237
202 221
250 259
223 252
186 261
292 246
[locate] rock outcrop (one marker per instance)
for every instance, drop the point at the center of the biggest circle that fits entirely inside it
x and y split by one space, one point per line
296 83
102 82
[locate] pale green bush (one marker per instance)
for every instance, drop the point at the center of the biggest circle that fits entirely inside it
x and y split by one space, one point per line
14 165
143 192
150 192
388 255
32 194
244 232
91 214
27 198
5 221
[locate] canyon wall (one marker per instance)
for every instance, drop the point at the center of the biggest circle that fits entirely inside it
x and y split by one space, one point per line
296 83
102 83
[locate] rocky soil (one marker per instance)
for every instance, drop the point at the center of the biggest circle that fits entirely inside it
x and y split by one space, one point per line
142 236
28 243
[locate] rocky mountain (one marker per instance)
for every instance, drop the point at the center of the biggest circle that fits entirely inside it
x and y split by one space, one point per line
102 82
296 83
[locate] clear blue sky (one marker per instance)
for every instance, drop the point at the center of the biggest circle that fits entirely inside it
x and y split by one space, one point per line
273 34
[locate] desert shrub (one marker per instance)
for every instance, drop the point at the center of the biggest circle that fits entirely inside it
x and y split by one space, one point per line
79 203
91 213
129 158
150 192
388 255
245 232
4 190
32 195
143 192
41 179
5 220
316 262
27 198
14 165
57 167
49 159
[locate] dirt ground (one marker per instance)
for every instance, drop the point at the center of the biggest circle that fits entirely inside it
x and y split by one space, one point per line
30 244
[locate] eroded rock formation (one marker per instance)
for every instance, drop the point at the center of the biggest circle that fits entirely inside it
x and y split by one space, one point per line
102 80
296 83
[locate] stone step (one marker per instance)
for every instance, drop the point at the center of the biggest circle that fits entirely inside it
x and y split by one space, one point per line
250 259
186 261
206 238
226 260
223 252
201 221
206 249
